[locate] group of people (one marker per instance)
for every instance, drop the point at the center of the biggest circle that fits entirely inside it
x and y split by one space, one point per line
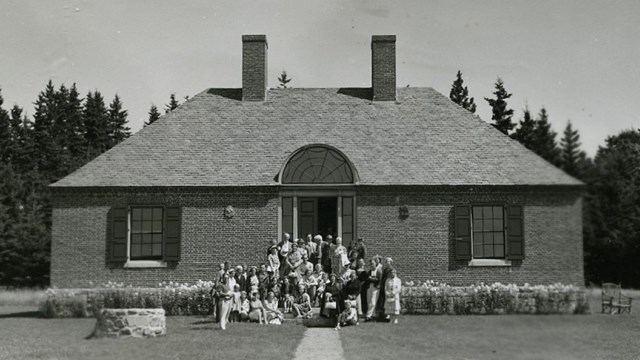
302 273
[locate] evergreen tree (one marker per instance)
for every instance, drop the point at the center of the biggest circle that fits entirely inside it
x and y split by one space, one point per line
154 115
117 130
284 80
21 130
525 133
48 117
544 143
460 94
172 105
7 145
572 159
501 114
96 123
612 254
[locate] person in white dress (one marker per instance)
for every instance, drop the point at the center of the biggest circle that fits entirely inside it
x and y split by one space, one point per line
392 297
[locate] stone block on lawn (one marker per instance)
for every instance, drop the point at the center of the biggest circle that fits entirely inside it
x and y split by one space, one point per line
140 323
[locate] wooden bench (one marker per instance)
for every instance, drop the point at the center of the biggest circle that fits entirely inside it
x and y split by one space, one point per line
613 301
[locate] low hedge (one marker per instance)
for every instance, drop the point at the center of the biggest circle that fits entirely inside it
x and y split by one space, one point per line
434 298
430 298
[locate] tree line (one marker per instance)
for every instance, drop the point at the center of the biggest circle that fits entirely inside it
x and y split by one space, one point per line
65 132
611 206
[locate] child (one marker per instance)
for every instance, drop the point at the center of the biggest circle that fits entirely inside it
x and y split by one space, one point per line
274 262
236 304
244 307
348 317
324 278
286 294
303 307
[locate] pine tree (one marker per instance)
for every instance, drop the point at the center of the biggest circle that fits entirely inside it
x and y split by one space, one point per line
7 145
49 112
501 115
172 105
117 130
525 133
460 94
284 80
96 123
154 115
572 158
544 143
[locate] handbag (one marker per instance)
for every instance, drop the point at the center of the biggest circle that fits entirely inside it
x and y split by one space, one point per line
345 260
330 305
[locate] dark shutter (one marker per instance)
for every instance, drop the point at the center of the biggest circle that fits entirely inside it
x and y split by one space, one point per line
118 249
515 232
462 233
171 248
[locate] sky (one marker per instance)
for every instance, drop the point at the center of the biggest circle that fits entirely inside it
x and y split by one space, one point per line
578 59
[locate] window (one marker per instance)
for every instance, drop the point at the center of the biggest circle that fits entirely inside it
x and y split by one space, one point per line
488 232
488 235
317 165
146 233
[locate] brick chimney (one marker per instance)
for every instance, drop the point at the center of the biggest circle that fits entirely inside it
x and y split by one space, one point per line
383 67
254 67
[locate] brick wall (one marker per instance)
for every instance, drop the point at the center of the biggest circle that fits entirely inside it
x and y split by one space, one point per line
421 244
81 228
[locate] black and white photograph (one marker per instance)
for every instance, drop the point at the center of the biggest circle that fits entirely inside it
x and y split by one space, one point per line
293 180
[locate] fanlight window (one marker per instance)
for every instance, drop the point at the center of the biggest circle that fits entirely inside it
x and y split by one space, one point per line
317 165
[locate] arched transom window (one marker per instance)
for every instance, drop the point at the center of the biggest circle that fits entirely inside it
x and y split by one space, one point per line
317 165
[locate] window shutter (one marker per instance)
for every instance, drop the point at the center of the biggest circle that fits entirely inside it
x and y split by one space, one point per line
515 232
462 233
171 248
119 228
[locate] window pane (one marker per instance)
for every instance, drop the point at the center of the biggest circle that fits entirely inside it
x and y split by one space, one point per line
157 238
477 224
487 225
486 212
147 214
146 226
497 212
157 226
157 214
147 238
477 212
157 249
477 238
497 225
136 226
287 206
136 239
135 251
488 250
498 250
347 206
498 238
477 251
136 214
147 250
347 224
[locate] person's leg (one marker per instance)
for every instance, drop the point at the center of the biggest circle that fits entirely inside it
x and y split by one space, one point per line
359 305
224 307
373 298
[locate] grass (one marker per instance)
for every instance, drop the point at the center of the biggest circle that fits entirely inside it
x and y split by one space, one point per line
595 336
25 336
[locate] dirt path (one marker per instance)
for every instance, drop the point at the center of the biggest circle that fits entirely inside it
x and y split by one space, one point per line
320 344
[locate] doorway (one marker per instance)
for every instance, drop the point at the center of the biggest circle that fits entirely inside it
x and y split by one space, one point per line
317 215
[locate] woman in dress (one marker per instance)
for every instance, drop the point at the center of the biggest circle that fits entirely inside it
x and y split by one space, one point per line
331 294
339 257
224 295
392 297
387 268
271 308
303 307
375 273
256 309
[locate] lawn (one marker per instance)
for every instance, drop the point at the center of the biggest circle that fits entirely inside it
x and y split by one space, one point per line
24 335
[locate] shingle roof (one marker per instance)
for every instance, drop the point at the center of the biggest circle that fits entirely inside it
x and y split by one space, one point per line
215 139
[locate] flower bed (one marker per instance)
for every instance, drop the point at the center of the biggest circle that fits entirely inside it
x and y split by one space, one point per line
434 298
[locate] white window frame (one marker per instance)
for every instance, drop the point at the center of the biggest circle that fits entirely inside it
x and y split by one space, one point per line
143 263
483 262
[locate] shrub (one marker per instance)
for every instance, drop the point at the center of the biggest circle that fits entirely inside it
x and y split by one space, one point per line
64 304
439 298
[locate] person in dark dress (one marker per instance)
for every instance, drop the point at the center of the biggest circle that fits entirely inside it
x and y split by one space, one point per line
386 273
331 292
363 277
351 290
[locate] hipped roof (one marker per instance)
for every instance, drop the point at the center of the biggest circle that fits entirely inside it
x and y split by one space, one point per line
216 139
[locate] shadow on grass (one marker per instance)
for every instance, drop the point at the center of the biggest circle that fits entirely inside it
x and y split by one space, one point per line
201 322
22 314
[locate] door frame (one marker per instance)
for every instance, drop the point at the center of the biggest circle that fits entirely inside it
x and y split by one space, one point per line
304 191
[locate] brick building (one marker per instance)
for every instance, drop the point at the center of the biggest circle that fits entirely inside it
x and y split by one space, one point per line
419 178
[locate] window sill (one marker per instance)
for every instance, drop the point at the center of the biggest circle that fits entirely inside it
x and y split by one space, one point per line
489 262
145 264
